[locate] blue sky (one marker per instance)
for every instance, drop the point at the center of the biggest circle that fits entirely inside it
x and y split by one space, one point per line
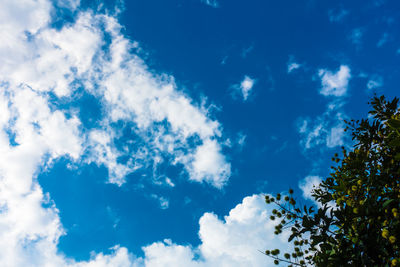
145 133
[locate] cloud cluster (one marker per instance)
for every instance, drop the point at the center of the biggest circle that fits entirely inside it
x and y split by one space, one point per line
234 241
40 63
44 72
328 128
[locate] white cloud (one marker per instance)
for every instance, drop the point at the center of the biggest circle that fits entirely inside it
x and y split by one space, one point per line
169 182
39 64
70 4
245 87
336 136
335 84
164 202
212 3
119 257
241 139
293 66
327 129
375 82
207 163
308 184
59 61
234 241
103 152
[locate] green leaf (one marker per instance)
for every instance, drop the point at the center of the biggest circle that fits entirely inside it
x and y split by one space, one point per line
387 202
291 237
394 123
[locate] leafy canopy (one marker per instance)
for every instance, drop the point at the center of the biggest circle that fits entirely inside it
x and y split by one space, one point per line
357 220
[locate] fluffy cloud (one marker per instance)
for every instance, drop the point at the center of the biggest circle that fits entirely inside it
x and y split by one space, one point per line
49 61
335 84
43 73
234 241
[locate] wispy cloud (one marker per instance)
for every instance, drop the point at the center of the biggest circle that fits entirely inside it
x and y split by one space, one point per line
328 128
337 15
163 202
246 51
212 3
292 64
383 40
356 36
376 81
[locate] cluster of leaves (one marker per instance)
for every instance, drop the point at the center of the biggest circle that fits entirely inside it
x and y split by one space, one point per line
357 220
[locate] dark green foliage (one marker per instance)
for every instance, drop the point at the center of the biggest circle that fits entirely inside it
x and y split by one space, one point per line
357 222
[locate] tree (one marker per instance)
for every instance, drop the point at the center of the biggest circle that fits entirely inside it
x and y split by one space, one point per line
357 220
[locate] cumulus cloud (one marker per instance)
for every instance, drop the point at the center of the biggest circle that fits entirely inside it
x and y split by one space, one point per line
208 163
335 84
42 67
236 240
